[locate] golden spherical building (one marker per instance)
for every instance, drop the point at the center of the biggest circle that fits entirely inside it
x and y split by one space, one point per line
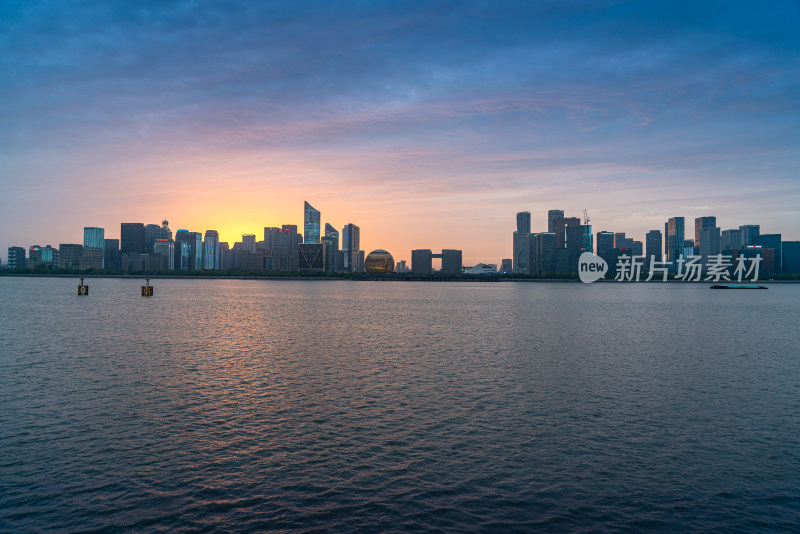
379 261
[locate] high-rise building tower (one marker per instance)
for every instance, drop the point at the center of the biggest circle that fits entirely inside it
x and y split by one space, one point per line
699 224
552 215
750 233
310 224
111 259
521 243
287 241
731 240
333 234
559 228
351 244
196 252
605 242
675 240
331 241
772 241
271 238
790 256
93 237
131 238
653 246
709 242
524 222
154 232
249 243
211 251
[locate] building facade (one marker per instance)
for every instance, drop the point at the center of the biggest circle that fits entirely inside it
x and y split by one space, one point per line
653 246
211 251
675 241
132 238
699 224
311 224
16 258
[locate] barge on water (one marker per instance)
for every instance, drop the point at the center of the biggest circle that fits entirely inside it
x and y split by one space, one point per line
737 287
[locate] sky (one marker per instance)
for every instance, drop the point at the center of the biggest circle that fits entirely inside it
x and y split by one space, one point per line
427 124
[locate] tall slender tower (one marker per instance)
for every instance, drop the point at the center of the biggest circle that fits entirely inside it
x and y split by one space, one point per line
310 224
351 243
211 251
675 239
524 222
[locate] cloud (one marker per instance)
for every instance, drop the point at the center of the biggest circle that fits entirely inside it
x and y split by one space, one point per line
408 99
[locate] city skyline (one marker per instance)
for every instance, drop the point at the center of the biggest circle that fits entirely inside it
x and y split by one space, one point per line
427 124
555 249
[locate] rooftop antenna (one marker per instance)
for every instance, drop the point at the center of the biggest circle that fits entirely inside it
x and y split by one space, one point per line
585 217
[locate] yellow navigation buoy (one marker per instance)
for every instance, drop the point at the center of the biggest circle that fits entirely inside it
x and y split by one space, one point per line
147 290
83 289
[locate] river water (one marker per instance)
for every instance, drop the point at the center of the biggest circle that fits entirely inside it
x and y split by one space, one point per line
280 405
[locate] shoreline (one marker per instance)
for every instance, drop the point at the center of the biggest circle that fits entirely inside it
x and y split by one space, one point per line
341 278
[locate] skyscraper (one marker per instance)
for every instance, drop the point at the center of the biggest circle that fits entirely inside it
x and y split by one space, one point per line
731 240
521 242
310 224
287 247
132 238
750 233
605 242
351 244
524 222
182 250
165 247
94 244
551 215
579 237
543 253
211 251
559 228
790 256
578 241
675 240
154 232
249 243
772 241
620 241
271 238
653 246
699 224
709 242
333 235
331 241
196 257
93 237
111 259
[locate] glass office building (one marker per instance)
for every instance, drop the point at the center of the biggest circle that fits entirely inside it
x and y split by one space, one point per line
310 224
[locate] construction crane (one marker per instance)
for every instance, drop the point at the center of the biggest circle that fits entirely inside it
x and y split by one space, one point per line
585 217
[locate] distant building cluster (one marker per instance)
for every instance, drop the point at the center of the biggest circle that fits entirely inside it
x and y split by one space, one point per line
558 249
152 247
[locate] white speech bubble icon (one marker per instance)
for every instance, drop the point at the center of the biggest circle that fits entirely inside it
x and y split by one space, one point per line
591 267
